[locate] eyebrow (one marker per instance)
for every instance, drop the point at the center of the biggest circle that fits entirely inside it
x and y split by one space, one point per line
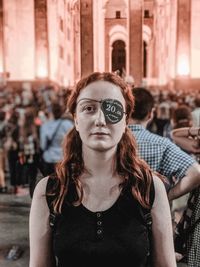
88 100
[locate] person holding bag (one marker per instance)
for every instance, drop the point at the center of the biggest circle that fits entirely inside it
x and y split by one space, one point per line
51 137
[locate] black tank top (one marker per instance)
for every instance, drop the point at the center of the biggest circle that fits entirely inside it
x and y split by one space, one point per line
118 235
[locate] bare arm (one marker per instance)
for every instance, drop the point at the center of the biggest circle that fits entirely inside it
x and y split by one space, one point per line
41 254
185 138
190 181
189 145
185 132
163 246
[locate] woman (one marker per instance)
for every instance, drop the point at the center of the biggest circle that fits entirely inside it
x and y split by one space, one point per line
51 137
101 189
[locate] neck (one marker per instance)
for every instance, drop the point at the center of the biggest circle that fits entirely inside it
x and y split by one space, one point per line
99 163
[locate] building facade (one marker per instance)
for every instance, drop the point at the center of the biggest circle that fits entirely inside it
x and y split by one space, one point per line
150 42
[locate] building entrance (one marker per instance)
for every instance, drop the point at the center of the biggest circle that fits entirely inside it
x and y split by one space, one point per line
119 57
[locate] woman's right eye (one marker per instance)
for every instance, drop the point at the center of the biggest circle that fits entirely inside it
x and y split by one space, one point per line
89 109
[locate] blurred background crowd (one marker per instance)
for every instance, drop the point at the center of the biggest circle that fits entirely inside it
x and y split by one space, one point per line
23 112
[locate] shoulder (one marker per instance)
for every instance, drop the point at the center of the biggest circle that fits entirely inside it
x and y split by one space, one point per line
149 139
160 193
158 184
40 189
44 192
46 125
68 123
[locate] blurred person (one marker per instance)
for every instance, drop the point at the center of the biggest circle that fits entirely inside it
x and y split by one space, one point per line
162 155
101 189
12 152
162 113
196 112
188 229
28 150
3 187
51 137
181 117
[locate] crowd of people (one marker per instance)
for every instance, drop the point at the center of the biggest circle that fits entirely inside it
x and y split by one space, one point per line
110 156
28 120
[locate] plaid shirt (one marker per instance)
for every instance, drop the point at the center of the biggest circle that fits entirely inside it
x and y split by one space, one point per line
161 154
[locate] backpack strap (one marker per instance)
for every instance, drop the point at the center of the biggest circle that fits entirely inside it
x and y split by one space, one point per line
49 141
53 217
146 215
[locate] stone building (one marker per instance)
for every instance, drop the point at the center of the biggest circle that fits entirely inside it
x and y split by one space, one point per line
150 42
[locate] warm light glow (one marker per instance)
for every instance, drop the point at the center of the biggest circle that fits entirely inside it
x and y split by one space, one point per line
41 63
42 71
183 65
1 65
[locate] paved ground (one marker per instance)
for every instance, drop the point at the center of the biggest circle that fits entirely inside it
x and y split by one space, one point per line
14 213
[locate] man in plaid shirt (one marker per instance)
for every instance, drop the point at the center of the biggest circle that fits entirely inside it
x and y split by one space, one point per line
159 152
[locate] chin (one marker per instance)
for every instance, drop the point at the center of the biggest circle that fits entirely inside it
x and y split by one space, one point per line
101 147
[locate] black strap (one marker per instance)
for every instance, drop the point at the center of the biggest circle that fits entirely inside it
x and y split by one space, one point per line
50 198
49 141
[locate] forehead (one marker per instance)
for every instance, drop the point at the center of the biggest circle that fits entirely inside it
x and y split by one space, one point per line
100 90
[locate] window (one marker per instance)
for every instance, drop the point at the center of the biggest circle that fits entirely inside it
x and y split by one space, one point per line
118 14
61 24
61 52
146 13
68 33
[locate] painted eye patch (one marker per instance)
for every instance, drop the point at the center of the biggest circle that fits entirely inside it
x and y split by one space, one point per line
112 109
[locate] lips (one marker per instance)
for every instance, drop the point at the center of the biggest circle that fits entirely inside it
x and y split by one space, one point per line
99 133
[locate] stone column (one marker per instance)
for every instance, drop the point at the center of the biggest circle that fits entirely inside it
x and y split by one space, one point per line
135 40
183 35
41 39
86 28
1 39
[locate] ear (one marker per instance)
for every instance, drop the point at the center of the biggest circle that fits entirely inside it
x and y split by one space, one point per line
76 123
151 114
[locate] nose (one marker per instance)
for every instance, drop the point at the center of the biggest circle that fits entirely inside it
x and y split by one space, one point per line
100 118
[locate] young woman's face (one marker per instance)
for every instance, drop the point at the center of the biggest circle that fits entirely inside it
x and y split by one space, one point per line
100 118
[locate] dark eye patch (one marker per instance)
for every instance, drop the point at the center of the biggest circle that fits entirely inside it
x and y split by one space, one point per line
113 110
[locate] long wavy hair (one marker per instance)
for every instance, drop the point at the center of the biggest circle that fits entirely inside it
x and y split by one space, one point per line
135 171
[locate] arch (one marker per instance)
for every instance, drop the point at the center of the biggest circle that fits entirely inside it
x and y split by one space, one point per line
119 57
147 36
147 33
117 32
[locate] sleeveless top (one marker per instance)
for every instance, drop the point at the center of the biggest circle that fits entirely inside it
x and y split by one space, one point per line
118 235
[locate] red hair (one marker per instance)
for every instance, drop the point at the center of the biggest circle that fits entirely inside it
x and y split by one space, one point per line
134 170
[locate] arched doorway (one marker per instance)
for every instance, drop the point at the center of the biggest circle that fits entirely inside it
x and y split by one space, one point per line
119 57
